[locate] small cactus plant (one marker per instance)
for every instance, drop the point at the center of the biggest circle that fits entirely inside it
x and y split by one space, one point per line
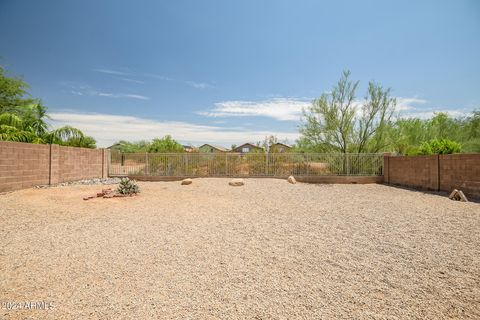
128 187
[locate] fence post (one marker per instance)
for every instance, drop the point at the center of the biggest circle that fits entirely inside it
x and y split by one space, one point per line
308 164
266 164
347 165
146 163
109 162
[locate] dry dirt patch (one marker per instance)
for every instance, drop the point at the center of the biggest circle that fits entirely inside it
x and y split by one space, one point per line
266 250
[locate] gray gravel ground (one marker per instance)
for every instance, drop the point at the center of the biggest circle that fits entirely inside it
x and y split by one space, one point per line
266 250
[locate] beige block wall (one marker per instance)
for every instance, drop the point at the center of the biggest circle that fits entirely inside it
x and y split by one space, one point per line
460 171
418 172
79 163
436 172
23 165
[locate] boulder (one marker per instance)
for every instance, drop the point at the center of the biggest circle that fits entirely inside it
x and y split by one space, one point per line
187 181
236 182
292 180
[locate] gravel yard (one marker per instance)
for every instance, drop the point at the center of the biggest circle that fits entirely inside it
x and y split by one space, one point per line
266 250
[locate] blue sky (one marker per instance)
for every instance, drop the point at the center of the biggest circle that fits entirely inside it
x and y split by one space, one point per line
234 71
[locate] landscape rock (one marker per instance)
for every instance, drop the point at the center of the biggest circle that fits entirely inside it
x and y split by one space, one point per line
458 195
236 182
121 195
105 192
187 181
292 180
82 182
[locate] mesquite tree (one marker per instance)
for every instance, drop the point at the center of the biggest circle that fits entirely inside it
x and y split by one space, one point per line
338 122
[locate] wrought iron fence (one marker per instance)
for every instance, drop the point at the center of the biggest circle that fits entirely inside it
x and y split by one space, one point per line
244 165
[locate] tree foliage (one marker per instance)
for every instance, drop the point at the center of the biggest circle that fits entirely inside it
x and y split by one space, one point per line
407 135
158 145
131 147
13 93
439 146
165 145
24 119
337 122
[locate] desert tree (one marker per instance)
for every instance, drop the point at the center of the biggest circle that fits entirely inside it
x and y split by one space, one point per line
267 142
165 144
338 122
329 121
372 120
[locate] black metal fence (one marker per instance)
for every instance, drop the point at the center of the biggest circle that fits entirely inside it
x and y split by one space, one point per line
244 165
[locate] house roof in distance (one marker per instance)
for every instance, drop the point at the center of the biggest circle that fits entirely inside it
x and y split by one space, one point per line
114 145
220 148
280 144
248 144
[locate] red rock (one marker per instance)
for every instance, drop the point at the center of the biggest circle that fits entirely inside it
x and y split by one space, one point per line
120 195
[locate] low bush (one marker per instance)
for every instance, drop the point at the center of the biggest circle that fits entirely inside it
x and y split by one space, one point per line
435 146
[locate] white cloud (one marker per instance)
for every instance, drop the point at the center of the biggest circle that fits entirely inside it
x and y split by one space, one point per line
135 96
408 103
408 108
86 90
199 85
286 109
119 95
159 77
278 108
193 84
108 128
132 80
429 113
114 72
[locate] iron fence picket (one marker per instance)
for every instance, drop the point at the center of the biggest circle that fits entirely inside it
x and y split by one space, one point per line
251 164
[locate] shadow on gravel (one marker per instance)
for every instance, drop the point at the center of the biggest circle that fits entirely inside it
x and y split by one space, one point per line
431 192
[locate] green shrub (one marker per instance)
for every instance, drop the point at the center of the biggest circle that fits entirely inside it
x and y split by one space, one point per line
442 146
424 149
412 151
127 186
